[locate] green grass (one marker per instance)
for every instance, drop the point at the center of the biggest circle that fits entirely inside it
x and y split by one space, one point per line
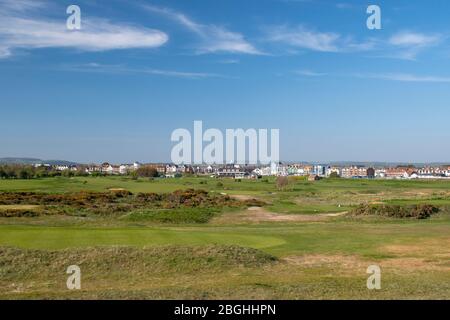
342 236
62 184
175 216
126 256
37 237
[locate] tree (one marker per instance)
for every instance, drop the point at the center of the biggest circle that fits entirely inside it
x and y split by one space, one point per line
282 182
147 172
134 175
2 173
334 175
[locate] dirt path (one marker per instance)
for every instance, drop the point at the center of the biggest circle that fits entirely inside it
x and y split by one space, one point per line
258 214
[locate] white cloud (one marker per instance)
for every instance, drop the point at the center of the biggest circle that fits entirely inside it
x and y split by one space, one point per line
4 52
94 67
309 73
404 77
301 37
411 39
21 5
213 38
19 29
229 61
344 5
408 45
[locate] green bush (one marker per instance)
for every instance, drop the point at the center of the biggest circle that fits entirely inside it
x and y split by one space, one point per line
420 211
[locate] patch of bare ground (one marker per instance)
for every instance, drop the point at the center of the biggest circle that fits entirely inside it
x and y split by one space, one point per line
326 260
426 255
259 214
242 197
440 247
350 264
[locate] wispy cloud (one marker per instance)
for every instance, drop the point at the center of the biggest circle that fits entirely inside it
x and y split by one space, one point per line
94 67
304 38
21 5
309 73
344 5
405 77
407 45
22 27
409 39
213 38
229 61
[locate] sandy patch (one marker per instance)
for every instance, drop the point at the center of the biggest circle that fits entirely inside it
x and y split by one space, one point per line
318 260
439 247
18 207
258 215
242 197
354 263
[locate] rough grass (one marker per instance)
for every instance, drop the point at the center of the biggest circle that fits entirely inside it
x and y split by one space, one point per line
26 272
326 259
18 263
181 206
212 272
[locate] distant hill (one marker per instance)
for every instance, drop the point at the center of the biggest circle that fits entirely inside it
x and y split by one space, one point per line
35 160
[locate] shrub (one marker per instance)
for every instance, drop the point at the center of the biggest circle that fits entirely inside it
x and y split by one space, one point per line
147 172
282 182
119 201
421 211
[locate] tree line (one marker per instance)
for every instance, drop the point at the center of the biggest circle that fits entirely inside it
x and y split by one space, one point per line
17 171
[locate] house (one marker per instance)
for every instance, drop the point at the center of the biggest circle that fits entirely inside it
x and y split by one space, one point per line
319 170
114 169
258 172
65 167
331 170
354 172
171 169
125 168
299 169
446 171
265 171
231 171
159 167
371 173
61 167
136 165
397 173
380 173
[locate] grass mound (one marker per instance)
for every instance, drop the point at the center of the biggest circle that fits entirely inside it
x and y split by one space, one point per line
18 264
420 211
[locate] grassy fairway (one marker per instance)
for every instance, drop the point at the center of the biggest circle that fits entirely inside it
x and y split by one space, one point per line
62 237
324 258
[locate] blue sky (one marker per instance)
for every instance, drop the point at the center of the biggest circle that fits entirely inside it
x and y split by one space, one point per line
137 70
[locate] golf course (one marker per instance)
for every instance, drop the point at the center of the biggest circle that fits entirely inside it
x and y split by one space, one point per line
207 238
